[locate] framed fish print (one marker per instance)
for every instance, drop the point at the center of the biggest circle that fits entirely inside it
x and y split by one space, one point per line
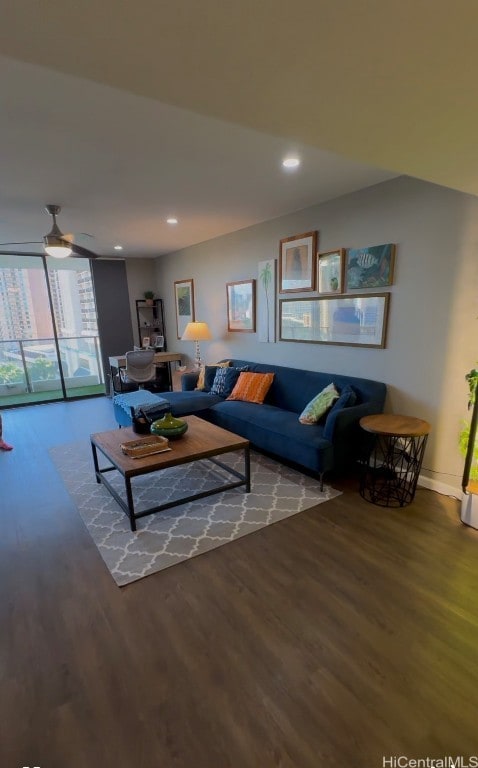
370 267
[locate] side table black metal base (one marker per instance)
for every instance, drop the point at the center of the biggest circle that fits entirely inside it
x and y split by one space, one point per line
390 475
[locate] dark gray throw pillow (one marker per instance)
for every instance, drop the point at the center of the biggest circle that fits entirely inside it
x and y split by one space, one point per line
225 380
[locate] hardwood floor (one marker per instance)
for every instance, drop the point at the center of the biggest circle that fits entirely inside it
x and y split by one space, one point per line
340 635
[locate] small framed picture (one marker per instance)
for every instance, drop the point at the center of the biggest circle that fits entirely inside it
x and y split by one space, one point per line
241 306
297 263
146 341
330 271
184 301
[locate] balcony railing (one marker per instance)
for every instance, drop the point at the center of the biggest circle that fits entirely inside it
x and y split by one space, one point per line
29 369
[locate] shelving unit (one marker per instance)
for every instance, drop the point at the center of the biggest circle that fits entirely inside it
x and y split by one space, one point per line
150 319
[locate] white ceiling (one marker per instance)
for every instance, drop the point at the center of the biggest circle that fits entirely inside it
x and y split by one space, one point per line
127 113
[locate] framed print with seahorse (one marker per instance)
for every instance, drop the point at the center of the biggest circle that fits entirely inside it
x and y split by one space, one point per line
266 301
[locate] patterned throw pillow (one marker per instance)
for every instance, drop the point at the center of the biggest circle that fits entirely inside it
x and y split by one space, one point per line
252 387
206 377
319 405
225 380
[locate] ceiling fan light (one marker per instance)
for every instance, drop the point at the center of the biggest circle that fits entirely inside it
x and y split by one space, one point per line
56 247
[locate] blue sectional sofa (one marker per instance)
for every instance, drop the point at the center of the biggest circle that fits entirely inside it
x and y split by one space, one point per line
274 427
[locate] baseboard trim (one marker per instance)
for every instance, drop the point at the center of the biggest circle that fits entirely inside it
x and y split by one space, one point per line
439 487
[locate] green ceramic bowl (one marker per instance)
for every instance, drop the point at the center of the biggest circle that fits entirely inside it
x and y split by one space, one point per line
169 427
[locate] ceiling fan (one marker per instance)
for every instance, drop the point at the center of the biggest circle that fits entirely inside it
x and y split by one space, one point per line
57 244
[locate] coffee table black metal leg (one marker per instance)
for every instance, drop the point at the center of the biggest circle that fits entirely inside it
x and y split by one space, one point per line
95 463
247 468
129 500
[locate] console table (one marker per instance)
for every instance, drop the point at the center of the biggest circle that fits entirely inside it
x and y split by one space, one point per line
390 474
119 361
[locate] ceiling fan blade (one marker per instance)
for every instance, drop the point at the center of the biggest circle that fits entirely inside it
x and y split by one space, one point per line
55 239
78 250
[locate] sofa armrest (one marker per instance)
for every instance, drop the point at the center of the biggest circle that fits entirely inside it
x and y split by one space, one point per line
342 428
342 421
189 381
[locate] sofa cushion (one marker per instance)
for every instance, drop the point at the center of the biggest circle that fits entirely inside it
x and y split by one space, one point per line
276 431
292 388
184 403
225 380
252 387
319 405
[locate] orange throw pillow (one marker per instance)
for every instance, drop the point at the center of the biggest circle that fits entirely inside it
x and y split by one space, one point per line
252 387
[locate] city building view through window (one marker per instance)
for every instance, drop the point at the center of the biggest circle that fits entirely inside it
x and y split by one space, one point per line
49 345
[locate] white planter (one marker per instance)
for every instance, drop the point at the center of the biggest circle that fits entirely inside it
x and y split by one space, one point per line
469 510
81 381
6 390
46 385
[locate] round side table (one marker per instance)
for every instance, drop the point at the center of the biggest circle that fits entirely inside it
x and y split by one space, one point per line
390 475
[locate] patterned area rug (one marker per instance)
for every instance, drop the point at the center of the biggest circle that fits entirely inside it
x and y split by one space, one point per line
169 537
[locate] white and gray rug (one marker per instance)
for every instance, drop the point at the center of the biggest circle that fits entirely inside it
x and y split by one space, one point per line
169 537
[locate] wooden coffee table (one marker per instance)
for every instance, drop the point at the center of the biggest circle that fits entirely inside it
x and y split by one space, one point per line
202 441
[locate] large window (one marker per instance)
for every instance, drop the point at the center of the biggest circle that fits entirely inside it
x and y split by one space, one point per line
49 345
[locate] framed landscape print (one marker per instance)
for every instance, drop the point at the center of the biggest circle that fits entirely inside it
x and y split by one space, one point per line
370 267
355 320
330 271
184 301
241 306
297 263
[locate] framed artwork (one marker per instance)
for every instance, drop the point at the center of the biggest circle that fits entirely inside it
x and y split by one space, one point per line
297 263
266 301
370 267
330 271
241 306
146 341
184 301
356 320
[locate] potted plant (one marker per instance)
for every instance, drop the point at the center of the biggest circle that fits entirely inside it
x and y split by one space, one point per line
465 436
149 296
469 447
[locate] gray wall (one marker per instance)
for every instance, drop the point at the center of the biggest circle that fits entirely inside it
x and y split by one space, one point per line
432 332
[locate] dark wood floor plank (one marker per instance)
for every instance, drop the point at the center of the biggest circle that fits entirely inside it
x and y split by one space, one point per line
340 635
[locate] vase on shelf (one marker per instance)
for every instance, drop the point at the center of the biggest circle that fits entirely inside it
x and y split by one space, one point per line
169 426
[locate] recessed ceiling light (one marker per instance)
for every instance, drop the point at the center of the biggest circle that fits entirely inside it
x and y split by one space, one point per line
172 220
291 162
118 247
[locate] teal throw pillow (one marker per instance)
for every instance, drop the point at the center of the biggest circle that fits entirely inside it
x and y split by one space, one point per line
319 405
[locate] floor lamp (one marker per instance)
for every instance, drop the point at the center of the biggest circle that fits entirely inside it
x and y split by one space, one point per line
197 332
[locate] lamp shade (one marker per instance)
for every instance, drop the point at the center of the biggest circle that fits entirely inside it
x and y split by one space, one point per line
54 242
197 332
58 251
